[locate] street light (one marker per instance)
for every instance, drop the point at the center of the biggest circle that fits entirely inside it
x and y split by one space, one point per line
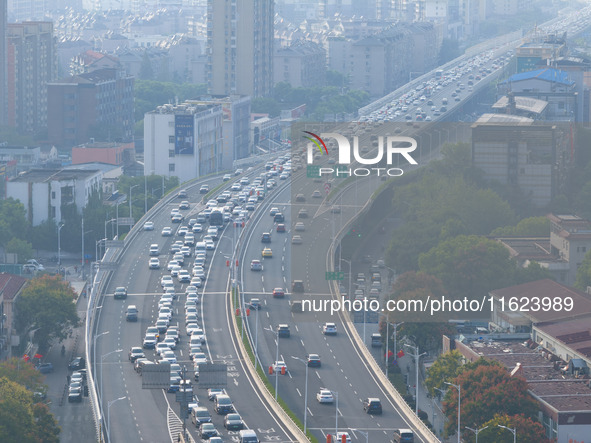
417 356
476 431
131 189
305 392
513 430
459 388
106 224
102 359
388 340
364 433
276 357
350 271
336 414
94 347
111 403
59 244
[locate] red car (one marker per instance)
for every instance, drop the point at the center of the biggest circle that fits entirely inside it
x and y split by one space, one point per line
280 227
278 293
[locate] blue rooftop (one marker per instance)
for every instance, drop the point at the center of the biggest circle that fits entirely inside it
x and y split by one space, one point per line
548 74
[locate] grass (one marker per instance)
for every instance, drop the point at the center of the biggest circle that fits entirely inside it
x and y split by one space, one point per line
262 375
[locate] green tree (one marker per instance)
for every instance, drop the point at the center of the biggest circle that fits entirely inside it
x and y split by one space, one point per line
47 305
444 369
45 426
44 235
23 373
13 220
527 430
584 273
16 414
487 390
528 227
469 266
21 248
449 50
146 70
335 78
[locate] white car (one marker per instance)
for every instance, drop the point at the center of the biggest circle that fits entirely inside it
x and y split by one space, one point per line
278 366
169 356
191 327
171 264
154 263
199 272
175 270
161 347
166 231
329 329
148 226
198 332
170 341
184 276
325 396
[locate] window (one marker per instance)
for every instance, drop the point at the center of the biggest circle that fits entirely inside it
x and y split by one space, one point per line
171 152
171 167
53 195
171 139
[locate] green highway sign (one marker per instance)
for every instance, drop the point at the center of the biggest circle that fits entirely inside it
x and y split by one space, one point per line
334 275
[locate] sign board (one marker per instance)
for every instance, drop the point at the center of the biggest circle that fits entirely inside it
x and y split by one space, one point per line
113 243
327 187
156 376
212 375
108 266
125 221
184 397
334 275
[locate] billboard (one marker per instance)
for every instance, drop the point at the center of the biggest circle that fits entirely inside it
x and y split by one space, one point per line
184 134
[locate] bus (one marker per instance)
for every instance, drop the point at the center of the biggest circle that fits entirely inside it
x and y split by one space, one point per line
438 74
216 218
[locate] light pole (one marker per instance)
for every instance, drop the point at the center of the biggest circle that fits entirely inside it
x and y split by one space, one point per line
417 356
256 338
305 392
94 347
276 358
111 403
476 431
350 271
117 214
131 189
513 430
102 359
145 193
364 433
388 340
59 244
106 224
336 414
459 388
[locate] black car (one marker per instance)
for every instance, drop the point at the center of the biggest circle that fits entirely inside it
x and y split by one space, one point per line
283 331
77 363
372 406
233 422
266 237
297 286
279 218
314 361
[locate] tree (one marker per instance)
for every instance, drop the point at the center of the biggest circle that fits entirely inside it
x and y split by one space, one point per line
16 415
487 390
44 235
21 248
146 70
469 266
45 427
47 305
527 227
23 373
13 220
445 368
584 273
527 430
449 50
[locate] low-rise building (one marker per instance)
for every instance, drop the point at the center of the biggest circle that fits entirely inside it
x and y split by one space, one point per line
301 64
44 192
104 152
10 287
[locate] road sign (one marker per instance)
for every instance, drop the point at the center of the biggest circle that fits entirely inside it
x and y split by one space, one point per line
125 221
327 187
213 375
334 275
114 244
156 376
108 265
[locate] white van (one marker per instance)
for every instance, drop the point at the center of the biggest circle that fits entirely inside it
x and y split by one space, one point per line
248 436
154 249
200 246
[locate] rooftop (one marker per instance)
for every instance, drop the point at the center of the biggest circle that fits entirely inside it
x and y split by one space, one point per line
10 285
526 104
576 333
547 74
45 175
528 248
186 108
546 381
548 288
504 119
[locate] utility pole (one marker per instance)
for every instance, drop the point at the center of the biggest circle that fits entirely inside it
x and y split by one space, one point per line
417 356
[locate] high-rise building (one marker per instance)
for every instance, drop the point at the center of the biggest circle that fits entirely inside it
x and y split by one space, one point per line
27 10
31 65
240 47
96 104
3 63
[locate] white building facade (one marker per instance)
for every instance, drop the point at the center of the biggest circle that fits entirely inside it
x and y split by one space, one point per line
183 141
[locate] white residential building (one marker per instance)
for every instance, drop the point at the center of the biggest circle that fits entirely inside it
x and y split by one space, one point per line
183 140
